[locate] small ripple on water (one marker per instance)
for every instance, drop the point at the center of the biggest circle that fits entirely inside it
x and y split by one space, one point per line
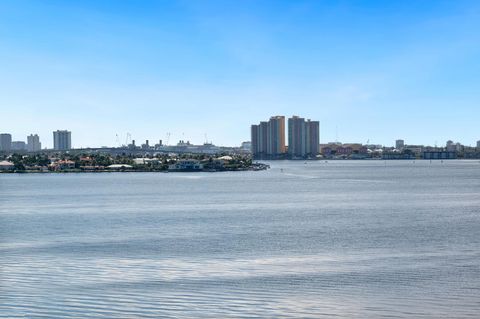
273 287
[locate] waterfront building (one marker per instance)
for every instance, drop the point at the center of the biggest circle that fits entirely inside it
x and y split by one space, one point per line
398 155
344 150
313 137
459 147
297 137
145 161
259 136
187 165
62 140
373 147
33 143
276 140
303 137
6 166
18 146
62 165
415 149
478 144
470 152
255 146
268 138
454 147
5 142
399 144
263 135
450 146
441 155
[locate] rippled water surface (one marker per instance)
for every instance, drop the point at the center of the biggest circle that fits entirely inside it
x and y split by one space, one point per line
364 239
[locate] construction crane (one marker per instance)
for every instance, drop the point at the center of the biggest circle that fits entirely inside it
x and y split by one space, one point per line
117 140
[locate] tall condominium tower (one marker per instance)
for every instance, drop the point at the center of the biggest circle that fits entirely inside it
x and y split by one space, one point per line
33 143
5 142
259 140
276 140
312 129
62 140
303 137
297 137
268 138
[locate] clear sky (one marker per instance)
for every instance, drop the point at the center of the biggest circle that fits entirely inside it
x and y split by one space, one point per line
369 70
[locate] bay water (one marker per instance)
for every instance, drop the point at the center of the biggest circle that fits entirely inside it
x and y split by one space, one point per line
316 239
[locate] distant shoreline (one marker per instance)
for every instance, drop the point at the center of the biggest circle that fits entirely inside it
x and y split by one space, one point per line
254 168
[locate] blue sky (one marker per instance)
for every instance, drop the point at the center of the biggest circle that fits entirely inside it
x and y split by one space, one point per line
370 70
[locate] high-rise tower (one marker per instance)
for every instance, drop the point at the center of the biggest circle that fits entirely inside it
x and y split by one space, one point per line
62 140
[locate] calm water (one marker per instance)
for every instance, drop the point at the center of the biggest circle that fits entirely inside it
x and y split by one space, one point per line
337 239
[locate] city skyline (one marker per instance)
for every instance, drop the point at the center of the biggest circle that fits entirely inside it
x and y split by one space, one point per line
36 141
192 69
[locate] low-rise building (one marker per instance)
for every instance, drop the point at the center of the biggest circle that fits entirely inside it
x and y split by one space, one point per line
215 164
470 153
6 166
415 149
450 146
338 149
62 165
188 165
145 160
18 146
398 155
439 155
